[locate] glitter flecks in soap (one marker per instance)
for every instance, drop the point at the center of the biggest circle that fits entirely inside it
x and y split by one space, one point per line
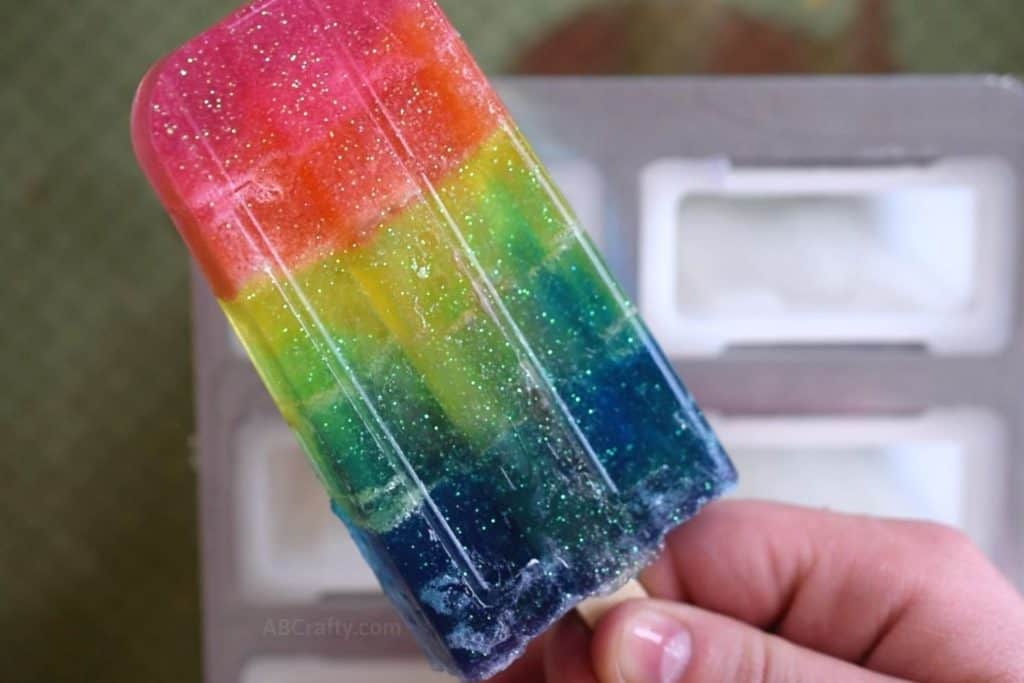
486 411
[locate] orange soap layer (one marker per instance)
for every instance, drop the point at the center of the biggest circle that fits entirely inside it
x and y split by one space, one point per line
272 147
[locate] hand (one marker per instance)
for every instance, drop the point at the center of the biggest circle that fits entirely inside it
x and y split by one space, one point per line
770 593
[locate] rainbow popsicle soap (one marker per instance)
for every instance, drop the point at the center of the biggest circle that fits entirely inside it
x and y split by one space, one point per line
487 413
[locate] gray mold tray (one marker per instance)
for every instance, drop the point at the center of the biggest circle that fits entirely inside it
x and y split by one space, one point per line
832 264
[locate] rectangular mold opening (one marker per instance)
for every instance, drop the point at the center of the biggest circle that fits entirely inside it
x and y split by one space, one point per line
908 255
945 466
291 547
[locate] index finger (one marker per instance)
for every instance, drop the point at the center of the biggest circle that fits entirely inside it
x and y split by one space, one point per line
893 596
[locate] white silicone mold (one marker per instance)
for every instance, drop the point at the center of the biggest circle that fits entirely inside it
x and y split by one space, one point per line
877 255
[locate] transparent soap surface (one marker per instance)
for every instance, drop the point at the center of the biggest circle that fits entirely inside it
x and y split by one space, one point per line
484 408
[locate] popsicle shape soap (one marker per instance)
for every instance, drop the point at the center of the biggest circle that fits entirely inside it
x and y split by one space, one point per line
484 408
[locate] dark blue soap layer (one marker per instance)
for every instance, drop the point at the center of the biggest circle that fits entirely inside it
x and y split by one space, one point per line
536 545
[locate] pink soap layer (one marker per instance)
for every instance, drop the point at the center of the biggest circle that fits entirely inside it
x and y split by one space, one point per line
295 127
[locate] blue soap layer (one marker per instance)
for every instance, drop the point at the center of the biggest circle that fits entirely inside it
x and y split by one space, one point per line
531 544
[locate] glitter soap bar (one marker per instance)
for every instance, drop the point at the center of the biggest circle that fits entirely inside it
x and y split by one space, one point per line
487 413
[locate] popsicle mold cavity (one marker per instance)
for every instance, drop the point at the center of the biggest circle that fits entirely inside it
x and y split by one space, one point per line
485 409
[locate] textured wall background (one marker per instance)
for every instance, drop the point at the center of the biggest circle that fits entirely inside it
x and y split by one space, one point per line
98 566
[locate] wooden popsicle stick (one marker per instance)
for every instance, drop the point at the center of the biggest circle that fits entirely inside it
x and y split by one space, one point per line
592 609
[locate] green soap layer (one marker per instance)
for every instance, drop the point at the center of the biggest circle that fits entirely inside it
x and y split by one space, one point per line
428 350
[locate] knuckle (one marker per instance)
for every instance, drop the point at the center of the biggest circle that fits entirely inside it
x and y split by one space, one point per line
756 663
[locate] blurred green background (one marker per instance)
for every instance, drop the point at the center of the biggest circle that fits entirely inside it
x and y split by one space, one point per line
98 559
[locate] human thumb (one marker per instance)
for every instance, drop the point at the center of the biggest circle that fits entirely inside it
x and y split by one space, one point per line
652 641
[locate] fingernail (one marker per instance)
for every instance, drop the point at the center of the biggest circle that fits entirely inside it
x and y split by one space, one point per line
655 649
